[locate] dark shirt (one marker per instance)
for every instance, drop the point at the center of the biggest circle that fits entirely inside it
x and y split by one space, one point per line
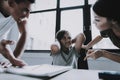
109 33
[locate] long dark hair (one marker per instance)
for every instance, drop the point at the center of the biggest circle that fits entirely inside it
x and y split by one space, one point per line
108 9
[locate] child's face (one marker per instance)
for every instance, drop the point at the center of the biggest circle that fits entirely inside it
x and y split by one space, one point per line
101 22
66 40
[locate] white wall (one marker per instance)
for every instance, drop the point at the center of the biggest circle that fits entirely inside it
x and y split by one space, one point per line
37 58
103 64
45 58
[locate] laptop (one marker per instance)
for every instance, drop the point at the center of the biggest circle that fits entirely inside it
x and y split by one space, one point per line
109 75
43 71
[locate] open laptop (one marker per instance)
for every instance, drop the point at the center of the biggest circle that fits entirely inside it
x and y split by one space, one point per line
109 75
44 70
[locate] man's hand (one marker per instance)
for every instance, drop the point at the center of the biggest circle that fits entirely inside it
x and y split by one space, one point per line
3 44
18 62
5 53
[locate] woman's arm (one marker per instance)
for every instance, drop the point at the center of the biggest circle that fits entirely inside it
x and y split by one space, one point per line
93 42
111 56
103 53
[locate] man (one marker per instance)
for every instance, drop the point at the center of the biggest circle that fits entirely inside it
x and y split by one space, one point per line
19 11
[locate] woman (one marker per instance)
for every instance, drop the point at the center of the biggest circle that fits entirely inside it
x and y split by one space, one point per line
107 20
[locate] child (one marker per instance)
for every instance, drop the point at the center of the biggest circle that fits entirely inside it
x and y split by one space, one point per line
63 52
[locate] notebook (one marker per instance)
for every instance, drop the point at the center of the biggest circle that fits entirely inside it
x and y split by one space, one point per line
44 70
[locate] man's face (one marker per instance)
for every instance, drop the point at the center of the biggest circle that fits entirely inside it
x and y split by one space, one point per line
4 6
21 10
101 22
66 41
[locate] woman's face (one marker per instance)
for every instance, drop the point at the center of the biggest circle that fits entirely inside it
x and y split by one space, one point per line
101 22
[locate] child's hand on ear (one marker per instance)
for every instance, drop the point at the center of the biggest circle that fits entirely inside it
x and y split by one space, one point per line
55 47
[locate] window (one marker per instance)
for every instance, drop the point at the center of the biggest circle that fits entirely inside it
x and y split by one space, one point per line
72 20
43 5
42 23
91 1
41 28
69 3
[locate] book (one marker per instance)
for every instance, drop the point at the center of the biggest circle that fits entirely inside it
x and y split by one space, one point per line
44 70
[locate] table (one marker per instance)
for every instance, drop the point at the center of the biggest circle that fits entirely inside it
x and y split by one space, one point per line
78 75
75 74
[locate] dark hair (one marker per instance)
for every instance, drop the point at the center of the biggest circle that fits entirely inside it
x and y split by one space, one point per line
60 34
108 9
19 1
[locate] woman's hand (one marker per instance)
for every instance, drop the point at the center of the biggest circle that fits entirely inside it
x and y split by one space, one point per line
94 54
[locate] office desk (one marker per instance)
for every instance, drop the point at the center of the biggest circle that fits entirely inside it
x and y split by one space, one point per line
74 74
78 75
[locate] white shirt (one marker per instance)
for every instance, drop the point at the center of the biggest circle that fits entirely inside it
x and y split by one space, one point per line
5 25
8 30
63 59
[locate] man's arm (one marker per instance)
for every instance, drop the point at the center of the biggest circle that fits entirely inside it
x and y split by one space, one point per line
22 40
4 50
7 53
